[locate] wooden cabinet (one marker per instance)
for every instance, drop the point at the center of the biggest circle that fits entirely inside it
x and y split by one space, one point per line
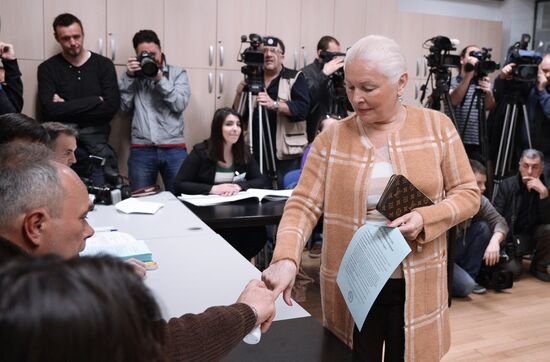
28 70
349 21
190 33
27 39
127 17
317 20
92 14
236 18
285 24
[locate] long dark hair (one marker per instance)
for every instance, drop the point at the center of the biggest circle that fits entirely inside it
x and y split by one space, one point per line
241 156
82 309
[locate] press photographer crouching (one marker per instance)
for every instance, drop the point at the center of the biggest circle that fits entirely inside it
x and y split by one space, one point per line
523 201
478 246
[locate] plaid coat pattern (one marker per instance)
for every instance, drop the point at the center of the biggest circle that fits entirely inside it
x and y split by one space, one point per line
335 181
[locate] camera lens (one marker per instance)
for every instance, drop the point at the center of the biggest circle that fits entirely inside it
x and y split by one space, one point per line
149 67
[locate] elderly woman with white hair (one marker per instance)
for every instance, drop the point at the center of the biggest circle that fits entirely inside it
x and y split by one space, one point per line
347 169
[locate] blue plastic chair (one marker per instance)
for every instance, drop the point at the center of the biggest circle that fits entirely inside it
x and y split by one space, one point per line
290 180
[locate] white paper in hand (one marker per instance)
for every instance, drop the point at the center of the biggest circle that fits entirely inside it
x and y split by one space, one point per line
254 336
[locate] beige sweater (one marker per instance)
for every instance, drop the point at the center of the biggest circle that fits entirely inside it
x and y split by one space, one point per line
428 151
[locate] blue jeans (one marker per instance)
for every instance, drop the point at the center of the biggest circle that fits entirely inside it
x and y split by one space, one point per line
144 164
469 256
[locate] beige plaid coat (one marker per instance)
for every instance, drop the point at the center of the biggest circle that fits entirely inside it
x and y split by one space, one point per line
428 151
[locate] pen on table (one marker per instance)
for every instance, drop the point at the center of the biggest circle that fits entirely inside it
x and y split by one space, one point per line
100 229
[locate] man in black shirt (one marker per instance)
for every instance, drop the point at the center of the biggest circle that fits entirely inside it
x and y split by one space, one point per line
286 99
523 201
80 87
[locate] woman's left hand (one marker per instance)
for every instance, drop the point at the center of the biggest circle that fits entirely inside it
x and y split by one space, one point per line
410 225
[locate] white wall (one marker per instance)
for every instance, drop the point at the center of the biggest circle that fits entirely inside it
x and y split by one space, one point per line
517 16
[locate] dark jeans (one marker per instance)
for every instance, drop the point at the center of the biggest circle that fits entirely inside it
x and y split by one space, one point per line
384 325
144 164
469 257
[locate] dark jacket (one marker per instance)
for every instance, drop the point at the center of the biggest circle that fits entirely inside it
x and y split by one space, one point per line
537 104
9 250
523 210
321 95
197 173
11 94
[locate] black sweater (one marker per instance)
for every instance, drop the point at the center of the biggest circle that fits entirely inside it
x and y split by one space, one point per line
81 88
11 94
514 200
197 173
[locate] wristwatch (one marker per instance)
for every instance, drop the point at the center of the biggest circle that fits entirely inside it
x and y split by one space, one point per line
276 105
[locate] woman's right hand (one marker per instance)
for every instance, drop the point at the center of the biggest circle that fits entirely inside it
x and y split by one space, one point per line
279 277
225 189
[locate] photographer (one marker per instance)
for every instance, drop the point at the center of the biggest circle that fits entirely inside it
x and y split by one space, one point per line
536 97
523 201
286 98
321 83
157 93
11 87
480 241
463 87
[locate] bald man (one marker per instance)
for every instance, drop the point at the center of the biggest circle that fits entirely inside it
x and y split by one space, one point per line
44 204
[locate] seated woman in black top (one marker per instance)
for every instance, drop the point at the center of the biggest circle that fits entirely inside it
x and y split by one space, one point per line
222 165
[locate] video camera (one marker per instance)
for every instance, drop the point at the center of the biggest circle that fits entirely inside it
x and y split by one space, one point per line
148 64
439 57
338 76
253 57
497 277
526 61
115 188
484 66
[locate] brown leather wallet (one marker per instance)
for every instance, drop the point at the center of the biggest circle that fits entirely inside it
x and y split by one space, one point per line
400 197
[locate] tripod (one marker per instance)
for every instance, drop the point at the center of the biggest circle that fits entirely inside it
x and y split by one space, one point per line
338 100
265 139
513 105
479 100
439 91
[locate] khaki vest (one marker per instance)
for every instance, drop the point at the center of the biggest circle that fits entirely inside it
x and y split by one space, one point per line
291 137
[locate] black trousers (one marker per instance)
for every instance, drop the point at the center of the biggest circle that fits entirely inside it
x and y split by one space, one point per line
384 325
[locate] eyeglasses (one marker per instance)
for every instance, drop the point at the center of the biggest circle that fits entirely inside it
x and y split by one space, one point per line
272 50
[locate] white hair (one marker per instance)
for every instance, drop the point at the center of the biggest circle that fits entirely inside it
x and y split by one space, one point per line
384 53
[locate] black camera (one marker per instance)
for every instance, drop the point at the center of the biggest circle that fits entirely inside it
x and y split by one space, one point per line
115 188
253 57
484 66
149 67
439 57
526 61
498 276
338 76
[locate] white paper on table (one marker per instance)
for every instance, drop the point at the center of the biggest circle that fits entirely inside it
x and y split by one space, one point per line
132 205
370 259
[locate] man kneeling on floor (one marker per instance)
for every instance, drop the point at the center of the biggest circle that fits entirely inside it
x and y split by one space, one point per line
479 241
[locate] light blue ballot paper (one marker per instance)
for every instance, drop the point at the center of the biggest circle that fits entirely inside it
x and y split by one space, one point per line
370 259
